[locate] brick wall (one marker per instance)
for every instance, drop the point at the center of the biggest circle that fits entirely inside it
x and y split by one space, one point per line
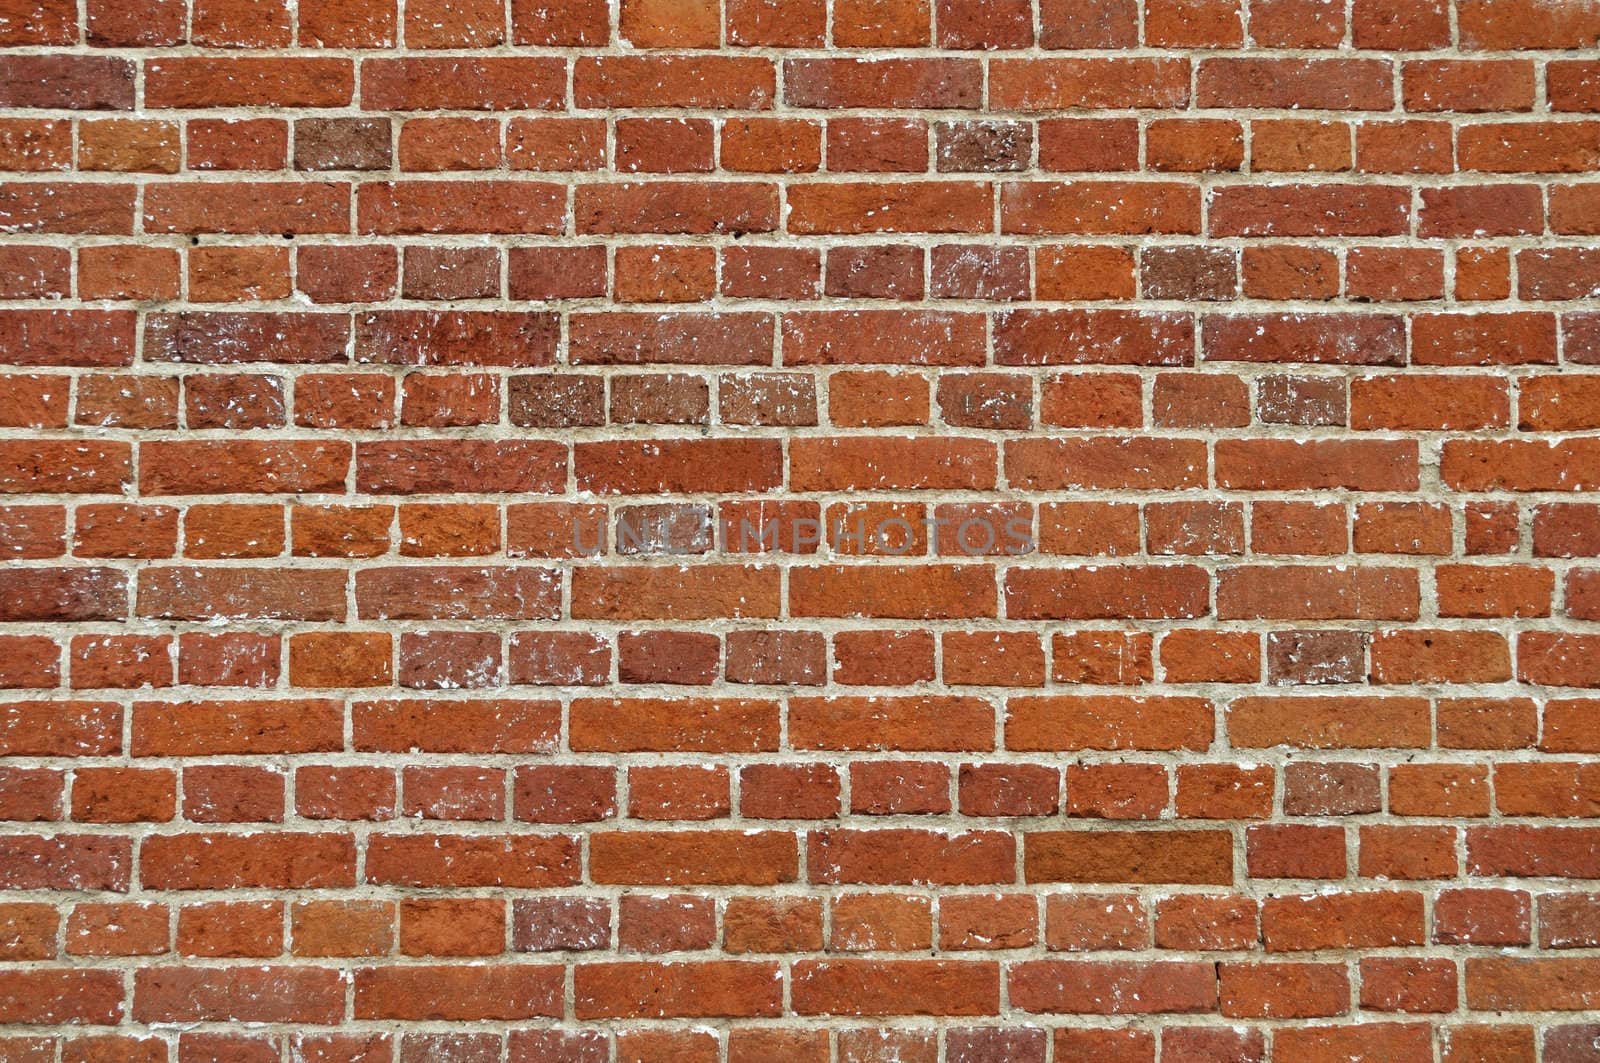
976 531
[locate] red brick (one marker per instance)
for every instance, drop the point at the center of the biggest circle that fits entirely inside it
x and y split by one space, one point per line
1328 723
674 724
248 207
682 990
1099 208
1353 920
512 991
1101 988
694 858
896 987
1060 84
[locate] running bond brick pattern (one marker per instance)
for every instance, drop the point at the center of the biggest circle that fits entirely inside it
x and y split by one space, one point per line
388 389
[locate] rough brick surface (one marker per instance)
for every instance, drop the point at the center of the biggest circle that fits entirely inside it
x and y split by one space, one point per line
836 531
